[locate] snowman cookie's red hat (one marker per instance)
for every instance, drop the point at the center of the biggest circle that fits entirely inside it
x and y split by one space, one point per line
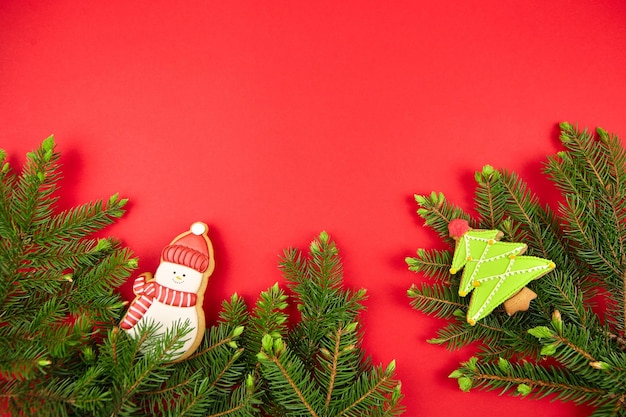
190 249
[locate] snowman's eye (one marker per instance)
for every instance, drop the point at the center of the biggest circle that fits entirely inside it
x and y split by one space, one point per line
174 272
184 275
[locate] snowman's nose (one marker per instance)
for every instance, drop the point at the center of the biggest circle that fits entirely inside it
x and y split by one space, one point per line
178 278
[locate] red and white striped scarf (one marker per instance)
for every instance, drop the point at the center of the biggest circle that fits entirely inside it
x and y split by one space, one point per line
148 292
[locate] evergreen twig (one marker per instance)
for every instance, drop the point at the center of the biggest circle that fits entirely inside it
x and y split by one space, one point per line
63 354
587 242
317 368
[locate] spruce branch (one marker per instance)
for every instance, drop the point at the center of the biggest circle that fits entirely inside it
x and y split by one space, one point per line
437 300
523 207
297 396
457 334
333 364
375 387
63 353
490 198
267 317
622 329
432 263
525 379
340 362
316 367
228 340
31 199
437 213
147 370
586 239
51 320
244 402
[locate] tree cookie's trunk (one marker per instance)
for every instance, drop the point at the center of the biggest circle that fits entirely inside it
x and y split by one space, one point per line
520 301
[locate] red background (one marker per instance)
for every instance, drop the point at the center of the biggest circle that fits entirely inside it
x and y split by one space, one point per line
272 121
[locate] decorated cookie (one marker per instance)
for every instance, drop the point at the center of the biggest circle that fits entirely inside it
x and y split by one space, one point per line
494 270
175 293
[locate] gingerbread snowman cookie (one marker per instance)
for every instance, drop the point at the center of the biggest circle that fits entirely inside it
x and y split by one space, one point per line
175 293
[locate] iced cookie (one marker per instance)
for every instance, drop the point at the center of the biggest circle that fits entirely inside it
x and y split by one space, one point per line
495 271
175 293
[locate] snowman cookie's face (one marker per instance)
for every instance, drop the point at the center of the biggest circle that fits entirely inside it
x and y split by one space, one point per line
178 277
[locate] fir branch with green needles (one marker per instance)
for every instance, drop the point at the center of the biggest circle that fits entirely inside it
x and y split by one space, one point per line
317 367
57 287
61 351
63 354
586 239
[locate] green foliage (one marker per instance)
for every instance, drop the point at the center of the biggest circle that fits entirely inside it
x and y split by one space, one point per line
63 354
317 367
585 240
56 288
213 381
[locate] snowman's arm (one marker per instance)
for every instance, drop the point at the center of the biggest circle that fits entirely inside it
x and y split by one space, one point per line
140 282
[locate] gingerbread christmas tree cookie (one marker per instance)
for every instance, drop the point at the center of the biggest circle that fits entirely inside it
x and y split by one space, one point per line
495 271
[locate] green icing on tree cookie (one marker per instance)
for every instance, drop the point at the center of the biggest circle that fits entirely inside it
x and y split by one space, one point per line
494 270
